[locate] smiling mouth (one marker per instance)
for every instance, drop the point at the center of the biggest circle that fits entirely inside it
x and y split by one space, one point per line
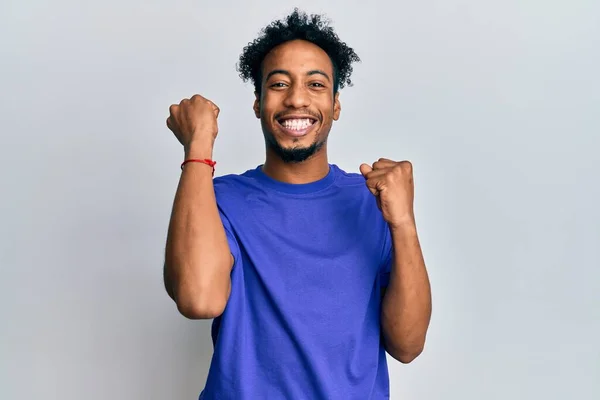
297 126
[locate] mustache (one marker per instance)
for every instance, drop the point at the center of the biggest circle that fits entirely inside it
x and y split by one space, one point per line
284 114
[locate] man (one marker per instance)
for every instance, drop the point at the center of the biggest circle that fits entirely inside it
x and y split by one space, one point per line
310 273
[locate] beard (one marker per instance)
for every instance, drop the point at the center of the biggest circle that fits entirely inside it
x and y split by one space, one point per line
294 154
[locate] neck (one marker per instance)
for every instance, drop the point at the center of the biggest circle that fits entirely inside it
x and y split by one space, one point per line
310 170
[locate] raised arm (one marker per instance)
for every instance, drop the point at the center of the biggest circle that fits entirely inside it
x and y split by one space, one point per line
406 305
198 260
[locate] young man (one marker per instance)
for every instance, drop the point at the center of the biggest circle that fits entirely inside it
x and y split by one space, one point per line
310 273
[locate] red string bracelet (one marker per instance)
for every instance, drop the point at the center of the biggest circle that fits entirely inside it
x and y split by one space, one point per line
206 161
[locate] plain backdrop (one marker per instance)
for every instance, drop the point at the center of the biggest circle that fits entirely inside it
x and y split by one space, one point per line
496 103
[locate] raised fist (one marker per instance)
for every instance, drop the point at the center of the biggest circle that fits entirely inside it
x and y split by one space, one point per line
194 120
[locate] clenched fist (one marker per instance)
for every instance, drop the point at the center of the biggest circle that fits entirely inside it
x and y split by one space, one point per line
194 121
391 182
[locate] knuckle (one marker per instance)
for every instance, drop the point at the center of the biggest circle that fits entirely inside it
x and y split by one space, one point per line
398 169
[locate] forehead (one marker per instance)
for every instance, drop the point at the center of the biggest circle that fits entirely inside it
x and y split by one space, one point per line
297 56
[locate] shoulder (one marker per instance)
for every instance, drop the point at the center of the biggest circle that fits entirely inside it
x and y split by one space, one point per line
234 182
353 191
350 180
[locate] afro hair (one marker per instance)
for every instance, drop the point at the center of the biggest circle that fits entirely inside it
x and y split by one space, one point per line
298 25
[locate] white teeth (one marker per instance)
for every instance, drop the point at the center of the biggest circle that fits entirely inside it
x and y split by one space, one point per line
297 124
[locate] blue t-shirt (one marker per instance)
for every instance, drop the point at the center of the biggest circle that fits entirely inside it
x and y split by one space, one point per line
303 316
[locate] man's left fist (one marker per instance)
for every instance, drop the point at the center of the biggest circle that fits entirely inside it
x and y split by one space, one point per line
391 182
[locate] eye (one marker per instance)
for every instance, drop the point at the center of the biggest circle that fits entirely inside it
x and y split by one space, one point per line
317 84
278 85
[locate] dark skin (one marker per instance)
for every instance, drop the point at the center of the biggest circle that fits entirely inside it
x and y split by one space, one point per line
298 80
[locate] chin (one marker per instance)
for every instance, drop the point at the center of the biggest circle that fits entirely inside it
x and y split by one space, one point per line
297 152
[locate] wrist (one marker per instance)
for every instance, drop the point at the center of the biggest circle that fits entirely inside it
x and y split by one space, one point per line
407 227
198 150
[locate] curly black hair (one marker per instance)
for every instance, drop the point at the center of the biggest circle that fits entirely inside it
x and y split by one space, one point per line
298 25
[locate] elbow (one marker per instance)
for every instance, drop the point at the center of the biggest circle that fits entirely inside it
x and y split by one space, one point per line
199 309
406 357
201 301
405 354
201 297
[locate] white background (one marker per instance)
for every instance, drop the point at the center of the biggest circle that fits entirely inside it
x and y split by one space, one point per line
496 103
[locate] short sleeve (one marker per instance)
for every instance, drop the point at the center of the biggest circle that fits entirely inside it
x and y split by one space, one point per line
386 262
234 247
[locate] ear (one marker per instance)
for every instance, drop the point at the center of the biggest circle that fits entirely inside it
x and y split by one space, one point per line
256 106
337 107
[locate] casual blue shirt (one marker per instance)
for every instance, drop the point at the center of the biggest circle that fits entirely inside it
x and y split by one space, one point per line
303 316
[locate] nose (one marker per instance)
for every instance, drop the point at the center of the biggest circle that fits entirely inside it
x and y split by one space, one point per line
297 97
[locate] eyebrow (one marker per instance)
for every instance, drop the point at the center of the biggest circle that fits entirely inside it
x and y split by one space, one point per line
309 73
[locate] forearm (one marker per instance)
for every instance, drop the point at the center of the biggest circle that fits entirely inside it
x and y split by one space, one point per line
197 256
406 308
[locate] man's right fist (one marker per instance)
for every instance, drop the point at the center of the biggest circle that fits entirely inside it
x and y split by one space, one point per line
194 120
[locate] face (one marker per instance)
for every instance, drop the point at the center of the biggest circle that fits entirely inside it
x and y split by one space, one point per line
297 105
